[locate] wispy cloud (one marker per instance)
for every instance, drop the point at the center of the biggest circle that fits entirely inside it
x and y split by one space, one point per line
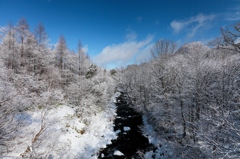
122 54
145 54
139 19
2 29
131 36
192 24
85 49
233 14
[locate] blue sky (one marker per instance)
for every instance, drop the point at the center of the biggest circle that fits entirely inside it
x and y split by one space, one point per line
120 32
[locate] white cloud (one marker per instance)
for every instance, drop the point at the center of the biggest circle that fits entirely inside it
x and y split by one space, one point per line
145 54
2 29
121 54
85 49
178 26
131 36
139 19
196 22
232 16
237 41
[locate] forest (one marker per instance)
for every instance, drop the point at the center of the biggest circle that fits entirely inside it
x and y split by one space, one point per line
56 103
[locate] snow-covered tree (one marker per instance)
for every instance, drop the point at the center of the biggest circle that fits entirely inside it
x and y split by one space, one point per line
192 98
22 33
9 47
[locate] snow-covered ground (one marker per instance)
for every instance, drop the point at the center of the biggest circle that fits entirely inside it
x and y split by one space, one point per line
165 149
64 135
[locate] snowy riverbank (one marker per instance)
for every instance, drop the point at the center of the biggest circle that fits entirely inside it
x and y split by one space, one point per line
64 134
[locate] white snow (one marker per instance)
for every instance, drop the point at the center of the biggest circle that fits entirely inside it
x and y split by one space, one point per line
117 94
149 132
162 145
118 153
67 136
118 131
102 155
126 128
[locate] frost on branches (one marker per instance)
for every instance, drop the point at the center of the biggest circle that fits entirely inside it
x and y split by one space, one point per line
49 105
190 97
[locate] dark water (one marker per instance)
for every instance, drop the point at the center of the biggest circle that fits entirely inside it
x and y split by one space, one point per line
130 142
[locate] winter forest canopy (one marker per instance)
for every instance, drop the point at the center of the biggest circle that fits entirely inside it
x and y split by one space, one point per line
52 100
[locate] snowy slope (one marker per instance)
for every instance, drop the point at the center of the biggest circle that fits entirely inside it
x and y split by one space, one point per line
64 135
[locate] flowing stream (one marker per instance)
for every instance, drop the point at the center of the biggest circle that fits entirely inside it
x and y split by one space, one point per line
130 142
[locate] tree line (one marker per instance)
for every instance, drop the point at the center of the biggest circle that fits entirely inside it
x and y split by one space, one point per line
191 94
34 76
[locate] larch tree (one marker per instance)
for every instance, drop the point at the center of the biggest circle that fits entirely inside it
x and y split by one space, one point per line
9 47
61 49
43 53
23 31
41 35
31 53
62 61
80 58
83 59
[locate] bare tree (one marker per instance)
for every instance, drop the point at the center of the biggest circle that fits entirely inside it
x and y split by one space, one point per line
23 31
61 52
81 58
163 47
41 35
231 35
197 89
9 47
42 42
230 38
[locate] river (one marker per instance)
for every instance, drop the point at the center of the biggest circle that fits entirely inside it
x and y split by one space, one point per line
131 143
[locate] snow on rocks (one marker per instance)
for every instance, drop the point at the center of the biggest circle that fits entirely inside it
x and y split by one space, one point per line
126 128
165 149
118 153
118 131
149 132
102 155
117 94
